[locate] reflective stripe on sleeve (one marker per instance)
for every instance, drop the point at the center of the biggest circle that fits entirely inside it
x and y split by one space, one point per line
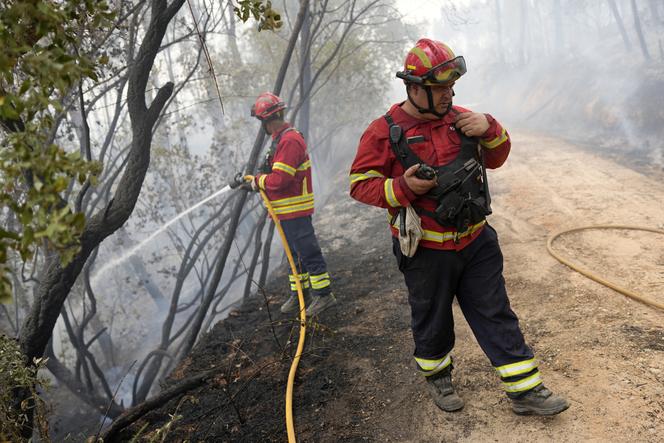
261 182
496 141
390 196
354 178
304 166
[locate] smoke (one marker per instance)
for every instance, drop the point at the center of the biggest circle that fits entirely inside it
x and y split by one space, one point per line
562 68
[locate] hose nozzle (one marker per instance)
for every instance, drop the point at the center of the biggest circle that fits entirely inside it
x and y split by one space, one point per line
237 181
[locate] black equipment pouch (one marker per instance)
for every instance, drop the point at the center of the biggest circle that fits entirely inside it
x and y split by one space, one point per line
462 193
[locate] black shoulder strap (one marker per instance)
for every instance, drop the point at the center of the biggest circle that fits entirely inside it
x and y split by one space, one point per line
399 144
485 180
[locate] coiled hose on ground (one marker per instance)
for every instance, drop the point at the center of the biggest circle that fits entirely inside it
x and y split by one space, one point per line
578 268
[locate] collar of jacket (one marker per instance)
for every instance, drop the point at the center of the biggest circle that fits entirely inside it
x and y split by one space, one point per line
278 132
407 121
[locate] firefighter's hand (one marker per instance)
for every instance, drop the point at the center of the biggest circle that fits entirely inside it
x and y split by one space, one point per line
472 124
253 184
250 186
417 185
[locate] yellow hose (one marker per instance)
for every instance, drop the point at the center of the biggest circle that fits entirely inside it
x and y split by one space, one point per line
593 276
290 428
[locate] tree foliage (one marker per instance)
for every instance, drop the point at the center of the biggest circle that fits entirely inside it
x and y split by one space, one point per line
15 375
262 12
44 58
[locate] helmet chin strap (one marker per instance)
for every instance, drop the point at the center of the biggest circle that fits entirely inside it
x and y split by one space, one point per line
432 107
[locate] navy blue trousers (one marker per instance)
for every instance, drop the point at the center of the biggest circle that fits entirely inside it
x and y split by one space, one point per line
475 276
308 257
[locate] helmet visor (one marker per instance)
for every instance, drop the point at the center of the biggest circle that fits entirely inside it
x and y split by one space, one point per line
446 72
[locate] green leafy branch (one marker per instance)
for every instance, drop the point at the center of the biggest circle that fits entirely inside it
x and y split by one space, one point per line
43 59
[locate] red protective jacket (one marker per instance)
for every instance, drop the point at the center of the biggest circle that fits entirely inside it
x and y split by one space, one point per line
289 185
376 176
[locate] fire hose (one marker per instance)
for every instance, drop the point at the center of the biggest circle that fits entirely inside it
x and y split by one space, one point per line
240 180
580 269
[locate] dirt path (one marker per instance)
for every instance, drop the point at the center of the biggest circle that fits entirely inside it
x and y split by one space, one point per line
358 382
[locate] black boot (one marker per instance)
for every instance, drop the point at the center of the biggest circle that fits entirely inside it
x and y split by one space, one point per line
539 401
293 303
441 389
319 303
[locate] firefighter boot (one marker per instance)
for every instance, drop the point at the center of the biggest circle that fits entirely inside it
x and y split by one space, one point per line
441 389
319 303
539 401
293 304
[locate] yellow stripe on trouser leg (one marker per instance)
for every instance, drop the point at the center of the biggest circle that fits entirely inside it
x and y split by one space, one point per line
431 367
523 384
304 280
518 368
320 281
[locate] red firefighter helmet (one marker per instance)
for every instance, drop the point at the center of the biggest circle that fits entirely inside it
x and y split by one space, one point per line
432 62
267 104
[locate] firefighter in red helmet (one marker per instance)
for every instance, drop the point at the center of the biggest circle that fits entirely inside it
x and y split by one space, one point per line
425 162
286 179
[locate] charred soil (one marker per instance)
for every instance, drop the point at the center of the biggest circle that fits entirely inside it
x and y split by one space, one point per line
357 380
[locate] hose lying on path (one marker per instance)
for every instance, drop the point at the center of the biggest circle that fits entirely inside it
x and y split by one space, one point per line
290 428
597 278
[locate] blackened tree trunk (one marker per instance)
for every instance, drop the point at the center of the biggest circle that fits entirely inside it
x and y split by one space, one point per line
639 31
305 78
499 32
522 33
236 212
57 280
558 27
619 22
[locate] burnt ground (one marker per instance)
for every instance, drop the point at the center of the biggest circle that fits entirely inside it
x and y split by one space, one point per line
357 380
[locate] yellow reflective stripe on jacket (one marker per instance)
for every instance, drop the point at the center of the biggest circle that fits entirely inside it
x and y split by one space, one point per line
304 166
432 367
288 169
294 208
261 182
523 385
354 178
496 141
441 237
390 196
292 200
518 368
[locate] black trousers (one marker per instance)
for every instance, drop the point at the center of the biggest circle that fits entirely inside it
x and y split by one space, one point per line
308 257
475 276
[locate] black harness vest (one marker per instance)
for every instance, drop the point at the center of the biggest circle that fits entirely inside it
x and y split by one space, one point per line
462 191
266 167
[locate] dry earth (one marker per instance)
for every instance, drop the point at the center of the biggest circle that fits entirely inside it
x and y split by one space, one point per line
357 381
